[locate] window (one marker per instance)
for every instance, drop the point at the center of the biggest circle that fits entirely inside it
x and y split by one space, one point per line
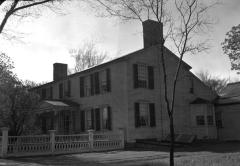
200 120
145 114
87 86
143 76
89 119
210 120
103 81
106 118
64 121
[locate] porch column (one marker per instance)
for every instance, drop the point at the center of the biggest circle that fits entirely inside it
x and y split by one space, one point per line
4 141
122 136
90 138
52 140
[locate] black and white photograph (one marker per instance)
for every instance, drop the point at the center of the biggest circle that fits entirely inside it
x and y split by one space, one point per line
120 82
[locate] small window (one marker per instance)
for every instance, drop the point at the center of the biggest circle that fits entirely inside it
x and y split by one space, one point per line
210 120
200 120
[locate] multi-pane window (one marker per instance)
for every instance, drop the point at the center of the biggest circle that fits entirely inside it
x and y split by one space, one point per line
95 83
106 118
44 93
210 120
219 123
64 121
142 76
87 86
89 120
143 114
67 88
200 120
103 81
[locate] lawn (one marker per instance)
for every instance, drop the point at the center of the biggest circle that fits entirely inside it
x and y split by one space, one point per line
204 154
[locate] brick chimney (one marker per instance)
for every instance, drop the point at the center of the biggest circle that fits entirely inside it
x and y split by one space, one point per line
59 71
152 33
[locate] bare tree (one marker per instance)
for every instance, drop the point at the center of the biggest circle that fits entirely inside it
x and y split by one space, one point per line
87 56
22 9
181 28
214 83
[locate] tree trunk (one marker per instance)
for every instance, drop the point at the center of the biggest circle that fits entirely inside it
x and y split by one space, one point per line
171 159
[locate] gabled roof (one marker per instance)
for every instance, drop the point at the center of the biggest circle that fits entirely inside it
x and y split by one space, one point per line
122 58
230 94
55 106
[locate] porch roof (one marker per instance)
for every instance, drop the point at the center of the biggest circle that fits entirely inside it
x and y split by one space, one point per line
56 105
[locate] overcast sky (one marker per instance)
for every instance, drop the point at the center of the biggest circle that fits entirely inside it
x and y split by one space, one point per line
49 38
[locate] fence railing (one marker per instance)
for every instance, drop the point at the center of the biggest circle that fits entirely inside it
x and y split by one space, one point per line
58 144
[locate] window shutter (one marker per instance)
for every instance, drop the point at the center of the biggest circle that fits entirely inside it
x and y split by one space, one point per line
109 118
152 115
60 91
97 115
82 120
150 77
69 88
108 80
81 86
92 118
92 84
135 75
96 81
137 114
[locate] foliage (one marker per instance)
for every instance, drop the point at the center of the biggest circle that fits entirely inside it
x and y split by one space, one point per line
87 56
215 83
17 104
231 47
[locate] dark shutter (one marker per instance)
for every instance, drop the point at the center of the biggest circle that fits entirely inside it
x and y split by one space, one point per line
108 80
92 118
69 88
135 75
81 86
96 82
73 115
92 84
150 77
97 115
109 118
82 120
60 91
152 115
44 93
137 122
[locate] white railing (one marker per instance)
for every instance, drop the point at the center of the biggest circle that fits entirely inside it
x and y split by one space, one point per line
59 144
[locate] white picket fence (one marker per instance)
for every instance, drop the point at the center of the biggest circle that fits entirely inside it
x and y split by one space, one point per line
16 146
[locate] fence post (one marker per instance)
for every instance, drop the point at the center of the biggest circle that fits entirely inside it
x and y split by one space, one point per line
122 137
52 140
90 139
4 141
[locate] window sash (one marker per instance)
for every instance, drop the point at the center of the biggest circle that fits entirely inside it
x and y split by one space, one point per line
144 114
200 120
